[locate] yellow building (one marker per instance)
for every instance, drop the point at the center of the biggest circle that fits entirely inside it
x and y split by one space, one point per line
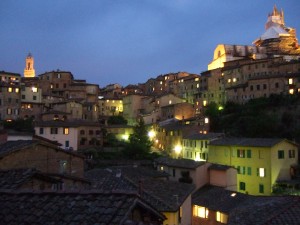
260 162
195 146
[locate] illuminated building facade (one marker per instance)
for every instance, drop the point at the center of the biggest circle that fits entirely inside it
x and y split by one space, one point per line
10 95
29 66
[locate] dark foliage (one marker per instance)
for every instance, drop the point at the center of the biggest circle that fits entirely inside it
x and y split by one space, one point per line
276 116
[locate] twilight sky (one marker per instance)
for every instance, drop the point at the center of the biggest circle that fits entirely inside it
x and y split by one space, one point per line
129 41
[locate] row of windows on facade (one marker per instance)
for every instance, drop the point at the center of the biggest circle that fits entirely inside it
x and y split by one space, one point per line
197 155
66 131
11 111
58 75
242 153
203 212
242 187
243 170
9 79
193 143
57 85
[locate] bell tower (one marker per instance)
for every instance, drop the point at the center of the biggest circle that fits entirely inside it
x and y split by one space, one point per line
29 69
276 18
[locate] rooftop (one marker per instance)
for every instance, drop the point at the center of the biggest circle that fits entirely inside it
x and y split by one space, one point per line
70 208
164 195
181 163
253 142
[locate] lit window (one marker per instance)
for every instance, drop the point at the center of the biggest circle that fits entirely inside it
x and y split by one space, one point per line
51 86
229 80
66 130
261 172
204 103
200 211
291 91
161 82
170 102
9 89
197 79
17 90
34 89
9 111
221 217
62 166
161 168
290 80
240 153
234 79
206 120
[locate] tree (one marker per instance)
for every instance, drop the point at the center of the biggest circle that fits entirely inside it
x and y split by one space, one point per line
139 143
116 120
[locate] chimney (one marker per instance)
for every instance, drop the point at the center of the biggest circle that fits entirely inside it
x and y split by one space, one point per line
3 134
118 173
141 189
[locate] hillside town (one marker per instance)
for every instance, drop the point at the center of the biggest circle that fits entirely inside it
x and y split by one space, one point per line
66 168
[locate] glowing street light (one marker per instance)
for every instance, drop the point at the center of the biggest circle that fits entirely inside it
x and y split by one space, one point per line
178 149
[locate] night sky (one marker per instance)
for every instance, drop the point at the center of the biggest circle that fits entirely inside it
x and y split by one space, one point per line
128 41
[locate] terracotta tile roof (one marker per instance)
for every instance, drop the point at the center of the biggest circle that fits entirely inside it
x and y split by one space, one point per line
198 136
11 146
248 210
166 196
267 210
70 208
218 199
15 178
219 167
181 163
67 123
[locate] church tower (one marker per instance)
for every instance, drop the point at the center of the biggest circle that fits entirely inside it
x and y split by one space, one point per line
278 39
275 18
29 69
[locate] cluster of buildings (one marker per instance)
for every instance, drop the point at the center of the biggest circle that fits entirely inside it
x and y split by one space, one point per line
208 179
41 183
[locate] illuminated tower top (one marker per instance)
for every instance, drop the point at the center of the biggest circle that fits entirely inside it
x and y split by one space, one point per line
29 69
275 18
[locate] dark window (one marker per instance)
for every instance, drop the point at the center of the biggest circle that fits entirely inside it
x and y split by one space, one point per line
261 188
248 153
242 186
82 132
54 130
41 130
292 153
280 154
249 171
174 172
